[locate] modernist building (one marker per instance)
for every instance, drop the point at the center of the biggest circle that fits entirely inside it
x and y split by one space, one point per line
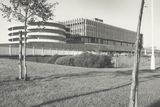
40 32
78 34
95 31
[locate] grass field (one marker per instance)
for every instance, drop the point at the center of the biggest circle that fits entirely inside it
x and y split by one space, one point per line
63 86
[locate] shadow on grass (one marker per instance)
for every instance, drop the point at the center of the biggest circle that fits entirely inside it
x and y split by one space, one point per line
8 80
93 74
122 73
54 76
129 72
153 76
85 75
78 75
155 104
85 94
15 81
80 95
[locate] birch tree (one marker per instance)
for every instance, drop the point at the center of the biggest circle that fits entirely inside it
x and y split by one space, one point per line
27 11
134 85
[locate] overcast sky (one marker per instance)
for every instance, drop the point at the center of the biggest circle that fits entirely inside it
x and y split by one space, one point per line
121 13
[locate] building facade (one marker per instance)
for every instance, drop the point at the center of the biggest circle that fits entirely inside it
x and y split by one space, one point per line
95 31
40 32
77 34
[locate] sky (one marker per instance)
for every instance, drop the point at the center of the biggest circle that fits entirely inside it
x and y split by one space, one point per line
121 13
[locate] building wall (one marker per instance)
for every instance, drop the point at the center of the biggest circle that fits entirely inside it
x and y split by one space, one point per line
84 33
40 32
93 31
41 48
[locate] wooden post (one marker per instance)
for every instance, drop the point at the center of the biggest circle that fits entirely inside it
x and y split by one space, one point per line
134 85
20 55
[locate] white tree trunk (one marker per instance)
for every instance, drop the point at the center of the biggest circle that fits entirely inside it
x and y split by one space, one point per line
20 55
24 57
134 86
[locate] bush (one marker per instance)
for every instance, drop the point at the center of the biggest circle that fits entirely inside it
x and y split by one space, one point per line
86 60
104 61
66 60
53 59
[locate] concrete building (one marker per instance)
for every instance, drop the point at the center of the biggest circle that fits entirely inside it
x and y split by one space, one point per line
46 32
72 35
95 31
147 51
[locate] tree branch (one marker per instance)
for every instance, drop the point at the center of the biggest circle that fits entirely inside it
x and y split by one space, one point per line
9 13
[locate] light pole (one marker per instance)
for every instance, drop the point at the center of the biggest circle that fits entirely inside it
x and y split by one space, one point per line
152 30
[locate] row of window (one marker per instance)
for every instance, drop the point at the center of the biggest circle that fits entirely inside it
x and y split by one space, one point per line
96 29
108 42
75 23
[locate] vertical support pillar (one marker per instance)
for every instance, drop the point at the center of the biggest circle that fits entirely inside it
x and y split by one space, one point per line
10 50
42 52
33 50
50 52
85 27
145 51
152 20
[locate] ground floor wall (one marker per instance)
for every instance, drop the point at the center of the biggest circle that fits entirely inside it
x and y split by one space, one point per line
62 49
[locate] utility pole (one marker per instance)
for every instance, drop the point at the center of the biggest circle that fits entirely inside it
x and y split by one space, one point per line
20 55
134 85
152 21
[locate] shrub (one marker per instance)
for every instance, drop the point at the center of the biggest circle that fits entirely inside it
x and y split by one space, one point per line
53 59
66 60
86 60
104 61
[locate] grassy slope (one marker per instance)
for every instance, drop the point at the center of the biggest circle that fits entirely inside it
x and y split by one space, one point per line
61 86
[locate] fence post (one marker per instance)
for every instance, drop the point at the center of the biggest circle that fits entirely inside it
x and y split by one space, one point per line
56 51
42 53
33 50
50 52
10 50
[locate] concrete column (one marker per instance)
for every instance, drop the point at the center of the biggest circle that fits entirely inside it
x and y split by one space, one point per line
42 52
50 53
33 50
152 67
10 50
84 27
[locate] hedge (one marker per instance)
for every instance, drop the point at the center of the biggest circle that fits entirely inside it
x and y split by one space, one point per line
86 60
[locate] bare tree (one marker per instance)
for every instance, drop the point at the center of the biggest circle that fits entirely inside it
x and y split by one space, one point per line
134 86
26 11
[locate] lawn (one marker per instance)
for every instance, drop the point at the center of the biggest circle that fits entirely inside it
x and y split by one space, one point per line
63 86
